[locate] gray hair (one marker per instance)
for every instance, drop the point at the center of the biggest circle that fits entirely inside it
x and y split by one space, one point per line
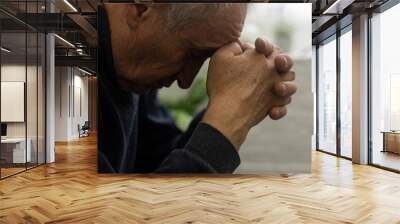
180 15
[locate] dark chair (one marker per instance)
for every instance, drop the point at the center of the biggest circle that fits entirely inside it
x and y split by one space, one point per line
84 130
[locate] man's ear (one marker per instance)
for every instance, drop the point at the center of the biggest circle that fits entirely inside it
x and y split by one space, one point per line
136 13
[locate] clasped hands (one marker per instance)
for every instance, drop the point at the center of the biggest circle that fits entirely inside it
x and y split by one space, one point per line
246 84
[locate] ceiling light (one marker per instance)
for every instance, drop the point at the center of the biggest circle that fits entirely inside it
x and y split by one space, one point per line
65 41
70 5
5 50
80 51
338 6
84 71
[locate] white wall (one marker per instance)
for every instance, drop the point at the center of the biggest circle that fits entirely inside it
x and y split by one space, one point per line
13 100
80 103
62 81
71 93
12 73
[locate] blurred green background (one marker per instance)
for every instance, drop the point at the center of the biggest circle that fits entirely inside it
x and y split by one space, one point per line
185 104
184 108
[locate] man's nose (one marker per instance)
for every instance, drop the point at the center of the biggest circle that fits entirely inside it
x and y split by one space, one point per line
185 80
169 81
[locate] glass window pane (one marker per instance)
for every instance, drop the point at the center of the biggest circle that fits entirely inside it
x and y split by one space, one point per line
22 86
14 153
346 94
41 98
31 97
327 97
32 88
386 89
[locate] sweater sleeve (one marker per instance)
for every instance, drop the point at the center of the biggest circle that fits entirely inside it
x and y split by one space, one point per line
207 151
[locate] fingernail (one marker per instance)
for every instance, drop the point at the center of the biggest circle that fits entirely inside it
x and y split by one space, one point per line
285 60
280 111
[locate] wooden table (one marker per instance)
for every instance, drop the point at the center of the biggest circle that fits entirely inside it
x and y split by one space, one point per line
391 141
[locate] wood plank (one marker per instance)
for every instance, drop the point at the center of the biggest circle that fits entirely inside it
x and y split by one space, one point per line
71 191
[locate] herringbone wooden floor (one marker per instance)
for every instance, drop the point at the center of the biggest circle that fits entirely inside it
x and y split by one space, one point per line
70 191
